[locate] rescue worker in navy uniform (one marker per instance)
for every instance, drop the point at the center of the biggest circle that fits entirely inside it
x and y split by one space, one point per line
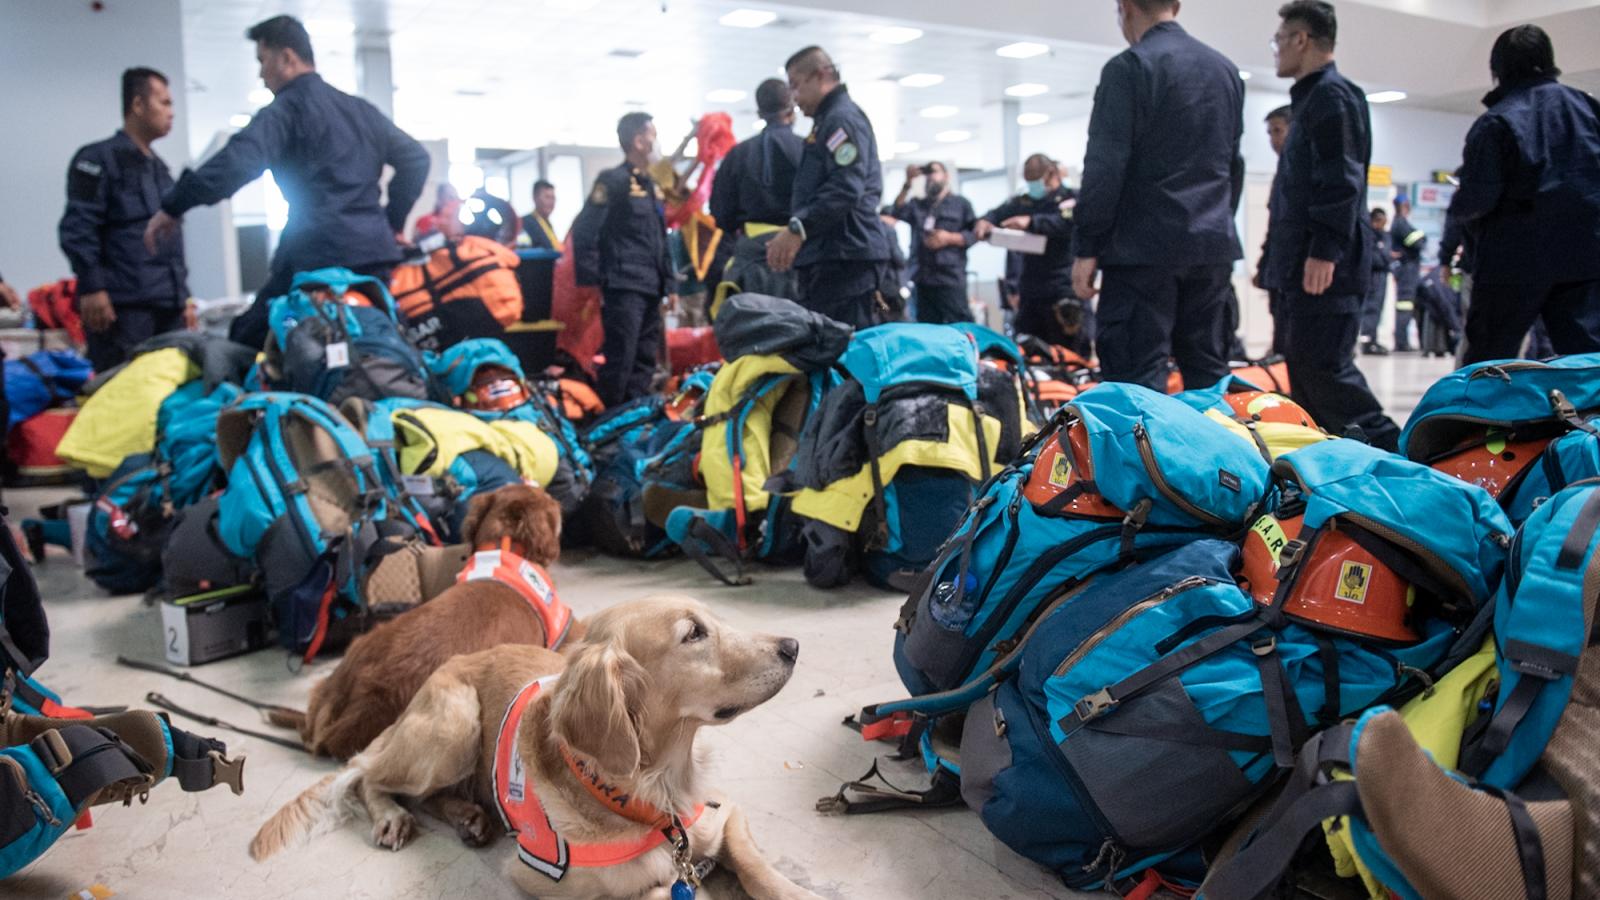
1319 257
126 294
1378 283
1162 177
1530 199
942 226
1406 243
619 243
753 190
834 238
1278 122
326 150
1047 308
536 225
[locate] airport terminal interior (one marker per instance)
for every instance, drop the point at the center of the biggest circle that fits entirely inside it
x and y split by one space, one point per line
675 448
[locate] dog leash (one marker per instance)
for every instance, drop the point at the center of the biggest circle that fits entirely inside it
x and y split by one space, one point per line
160 701
185 676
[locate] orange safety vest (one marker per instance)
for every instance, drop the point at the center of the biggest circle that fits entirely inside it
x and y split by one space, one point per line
539 847
528 579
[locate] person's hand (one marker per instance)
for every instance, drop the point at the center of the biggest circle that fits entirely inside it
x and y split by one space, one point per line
9 296
912 171
191 318
939 238
1083 272
672 303
983 229
1445 273
1319 276
96 311
161 229
1017 223
781 251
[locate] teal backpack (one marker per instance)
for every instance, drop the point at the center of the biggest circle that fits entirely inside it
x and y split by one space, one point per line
305 501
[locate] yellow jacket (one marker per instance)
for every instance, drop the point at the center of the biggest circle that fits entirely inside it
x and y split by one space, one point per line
119 419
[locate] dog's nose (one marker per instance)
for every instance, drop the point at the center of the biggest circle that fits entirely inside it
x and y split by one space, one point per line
789 649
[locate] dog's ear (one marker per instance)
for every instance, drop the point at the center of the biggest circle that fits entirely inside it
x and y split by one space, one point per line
539 529
598 704
477 509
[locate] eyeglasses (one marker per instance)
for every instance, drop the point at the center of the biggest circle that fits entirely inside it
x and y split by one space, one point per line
1281 38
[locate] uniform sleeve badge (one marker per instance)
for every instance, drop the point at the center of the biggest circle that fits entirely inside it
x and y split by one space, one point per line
598 196
1067 206
837 139
846 154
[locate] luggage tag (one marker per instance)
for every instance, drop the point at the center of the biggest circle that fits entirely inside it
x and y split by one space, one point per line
338 355
417 485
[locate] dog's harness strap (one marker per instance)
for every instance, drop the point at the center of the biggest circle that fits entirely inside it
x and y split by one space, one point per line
530 581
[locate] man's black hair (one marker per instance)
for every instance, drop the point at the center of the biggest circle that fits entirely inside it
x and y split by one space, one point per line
542 185
1151 7
773 98
283 33
1378 211
136 84
812 59
1286 113
630 126
1317 17
1523 53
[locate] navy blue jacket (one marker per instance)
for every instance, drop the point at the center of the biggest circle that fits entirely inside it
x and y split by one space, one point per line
755 182
1530 185
536 235
112 191
1409 241
1045 277
946 266
1162 175
838 186
1319 196
326 150
619 240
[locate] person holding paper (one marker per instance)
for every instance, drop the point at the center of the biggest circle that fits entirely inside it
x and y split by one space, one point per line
1047 308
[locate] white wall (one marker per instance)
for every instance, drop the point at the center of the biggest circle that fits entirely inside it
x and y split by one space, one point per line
61 64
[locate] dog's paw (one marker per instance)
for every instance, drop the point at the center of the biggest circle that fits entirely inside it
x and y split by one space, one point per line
472 825
394 830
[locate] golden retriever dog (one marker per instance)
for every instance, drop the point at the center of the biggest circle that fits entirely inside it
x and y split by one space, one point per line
611 734
384 668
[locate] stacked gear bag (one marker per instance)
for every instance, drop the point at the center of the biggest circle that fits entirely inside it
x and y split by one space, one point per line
335 336
305 502
1488 786
57 762
888 464
1492 424
1268 420
780 357
461 290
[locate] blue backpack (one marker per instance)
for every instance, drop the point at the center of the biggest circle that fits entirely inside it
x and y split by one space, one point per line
325 345
55 761
134 509
306 503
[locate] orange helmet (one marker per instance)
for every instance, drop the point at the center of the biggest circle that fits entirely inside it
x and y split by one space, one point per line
1267 406
495 389
1340 585
1056 470
1494 463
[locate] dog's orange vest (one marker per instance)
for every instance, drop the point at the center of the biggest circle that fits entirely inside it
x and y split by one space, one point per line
529 580
539 847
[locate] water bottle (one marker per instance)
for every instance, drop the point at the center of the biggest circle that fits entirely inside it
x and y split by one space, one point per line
951 608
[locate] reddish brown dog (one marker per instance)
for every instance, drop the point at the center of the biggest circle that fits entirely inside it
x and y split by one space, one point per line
385 668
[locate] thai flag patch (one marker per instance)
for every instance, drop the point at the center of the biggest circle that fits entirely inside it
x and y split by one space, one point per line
838 137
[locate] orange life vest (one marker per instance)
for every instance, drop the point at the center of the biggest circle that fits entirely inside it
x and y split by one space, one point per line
477 268
528 579
539 847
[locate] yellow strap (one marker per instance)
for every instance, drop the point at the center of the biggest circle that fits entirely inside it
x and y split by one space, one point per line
1404 306
1415 236
548 231
757 229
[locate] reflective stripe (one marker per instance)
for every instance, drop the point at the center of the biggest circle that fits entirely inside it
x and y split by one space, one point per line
1404 305
1414 237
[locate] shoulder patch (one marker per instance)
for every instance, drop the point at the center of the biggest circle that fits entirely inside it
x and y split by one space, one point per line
599 195
88 166
83 180
846 154
1067 206
836 139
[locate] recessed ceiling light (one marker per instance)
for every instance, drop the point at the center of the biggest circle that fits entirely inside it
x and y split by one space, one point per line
1386 96
1243 75
939 112
725 95
259 96
239 121
1027 119
906 147
896 34
748 18
1027 89
1022 50
921 80
954 136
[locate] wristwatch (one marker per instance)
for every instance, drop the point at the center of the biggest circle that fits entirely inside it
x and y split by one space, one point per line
797 227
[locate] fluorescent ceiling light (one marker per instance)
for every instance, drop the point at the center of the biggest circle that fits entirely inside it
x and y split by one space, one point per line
725 95
896 34
259 97
954 136
1386 96
1027 89
748 18
1026 119
1243 75
921 80
239 121
907 147
939 112
1022 50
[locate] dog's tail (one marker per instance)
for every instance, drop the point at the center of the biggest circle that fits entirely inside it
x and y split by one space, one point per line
287 718
319 809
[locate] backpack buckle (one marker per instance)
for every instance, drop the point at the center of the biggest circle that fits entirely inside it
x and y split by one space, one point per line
52 750
1291 553
227 771
1095 705
1265 646
869 416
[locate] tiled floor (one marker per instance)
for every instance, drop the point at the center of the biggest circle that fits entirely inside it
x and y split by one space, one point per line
777 760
